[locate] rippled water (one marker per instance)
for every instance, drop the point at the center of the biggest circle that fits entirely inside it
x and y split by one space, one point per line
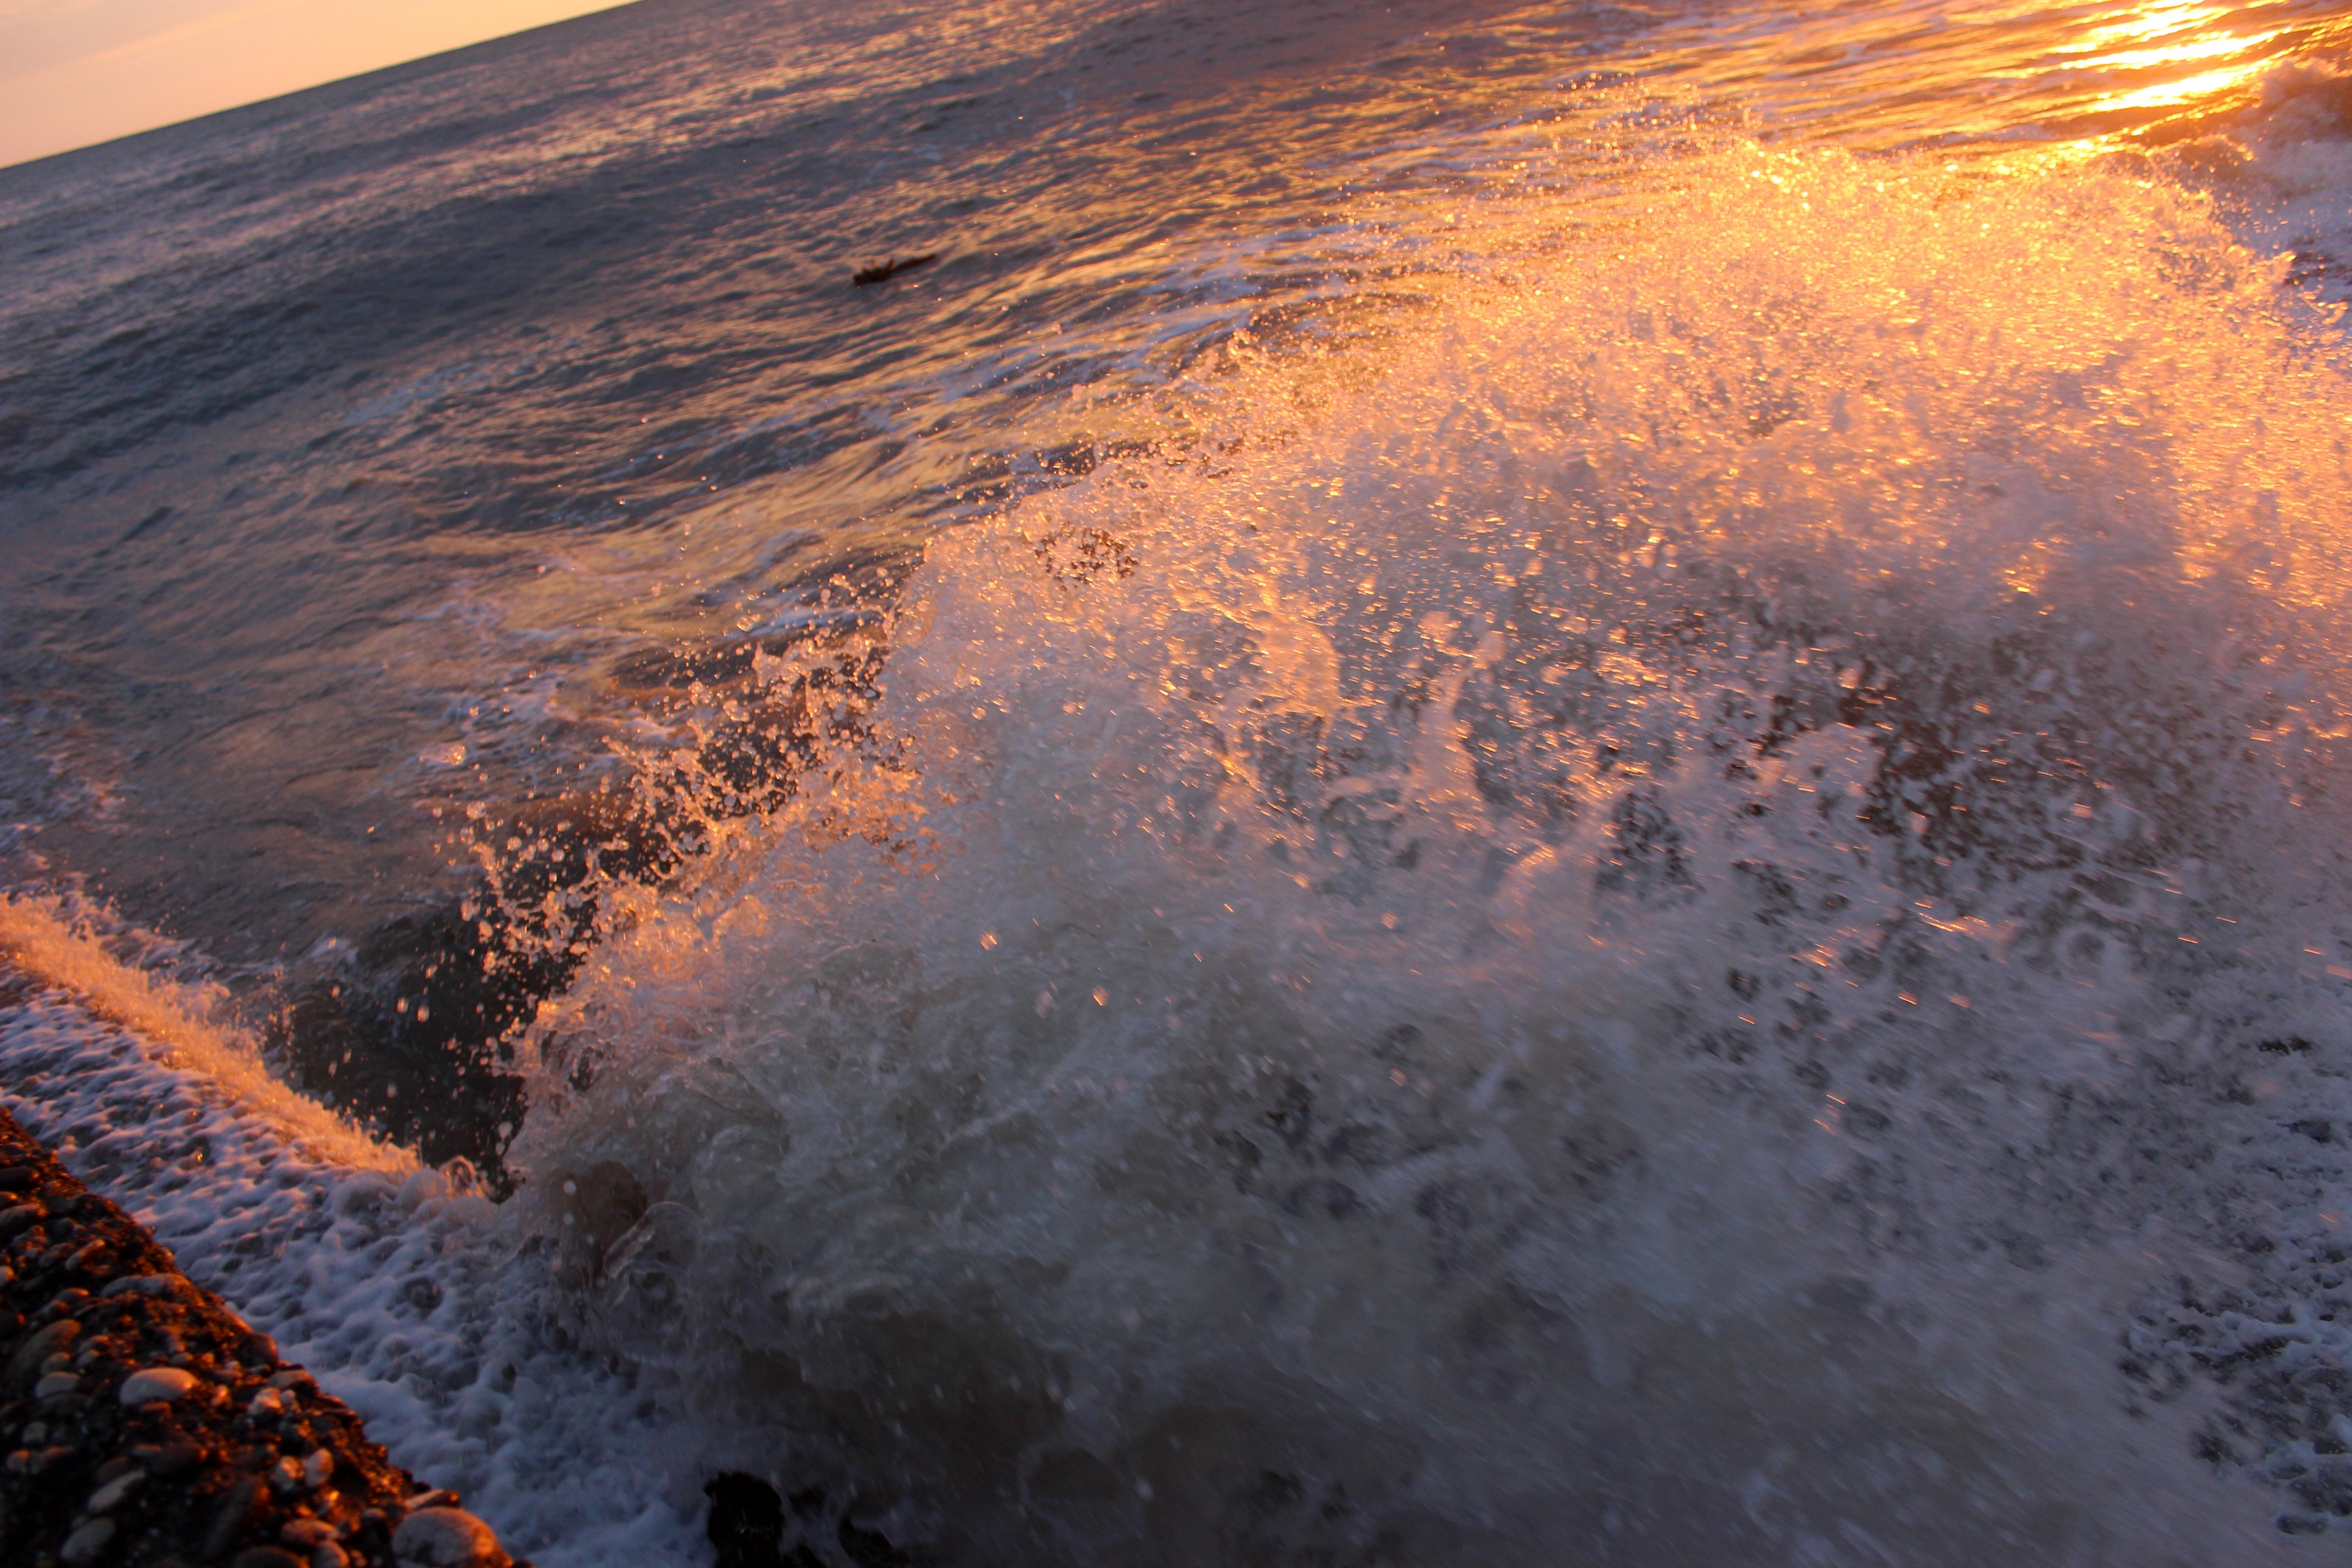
1506 781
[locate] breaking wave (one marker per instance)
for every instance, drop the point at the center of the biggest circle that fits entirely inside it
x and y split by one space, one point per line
1694 912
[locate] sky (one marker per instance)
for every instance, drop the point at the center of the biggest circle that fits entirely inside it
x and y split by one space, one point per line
74 72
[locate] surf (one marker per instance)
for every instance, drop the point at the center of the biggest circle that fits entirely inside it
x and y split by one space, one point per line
1463 957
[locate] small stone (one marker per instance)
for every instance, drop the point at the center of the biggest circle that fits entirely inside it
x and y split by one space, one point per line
43 1343
265 1557
306 1533
103 1500
446 1537
317 1468
84 1545
269 1402
54 1384
233 1517
153 1384
168 1458
327 1554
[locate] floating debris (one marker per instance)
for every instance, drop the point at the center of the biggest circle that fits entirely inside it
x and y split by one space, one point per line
891 268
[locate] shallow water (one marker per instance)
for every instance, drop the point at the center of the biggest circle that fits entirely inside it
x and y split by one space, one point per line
1504 783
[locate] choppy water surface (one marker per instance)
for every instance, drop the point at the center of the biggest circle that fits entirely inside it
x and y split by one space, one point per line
1507 784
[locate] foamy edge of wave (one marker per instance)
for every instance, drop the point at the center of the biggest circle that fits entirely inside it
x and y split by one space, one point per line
39 939
398 1290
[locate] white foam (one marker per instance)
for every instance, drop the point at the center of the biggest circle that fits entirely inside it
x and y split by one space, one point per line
39 939
1644 928
2282 170
407 1299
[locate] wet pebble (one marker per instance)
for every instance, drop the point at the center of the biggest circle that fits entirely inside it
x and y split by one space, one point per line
265 1557
167 1460
40 1346
150 1385
446 1538
174 1463
112 1492
86 1542
314 1539
232 1515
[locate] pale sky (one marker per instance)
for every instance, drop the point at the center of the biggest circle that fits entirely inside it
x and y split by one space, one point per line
73 72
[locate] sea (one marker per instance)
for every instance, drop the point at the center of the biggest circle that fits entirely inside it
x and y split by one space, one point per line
1180 783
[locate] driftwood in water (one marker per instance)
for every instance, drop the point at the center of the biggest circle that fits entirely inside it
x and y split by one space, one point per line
891 268
146 1424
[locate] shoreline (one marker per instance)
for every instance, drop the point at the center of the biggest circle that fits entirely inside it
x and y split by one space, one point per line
147 1423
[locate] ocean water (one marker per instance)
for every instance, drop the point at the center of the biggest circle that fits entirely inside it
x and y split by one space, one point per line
1504 785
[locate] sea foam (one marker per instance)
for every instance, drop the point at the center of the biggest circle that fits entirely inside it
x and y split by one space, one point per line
393 1284
1690 913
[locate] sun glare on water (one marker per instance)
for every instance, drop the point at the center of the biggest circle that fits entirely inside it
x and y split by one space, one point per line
2162 40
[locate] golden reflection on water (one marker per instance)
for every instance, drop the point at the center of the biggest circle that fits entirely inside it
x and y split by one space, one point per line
2191 57
2169 35
2007 71
2190 90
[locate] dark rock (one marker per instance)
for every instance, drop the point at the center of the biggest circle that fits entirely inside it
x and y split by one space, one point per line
871 1548
747 1521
